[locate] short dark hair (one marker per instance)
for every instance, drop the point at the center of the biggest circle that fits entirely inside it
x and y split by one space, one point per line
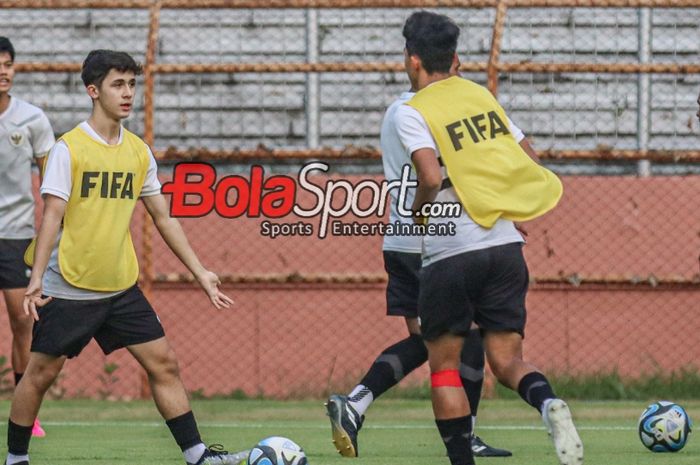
6 46
433 38
99 62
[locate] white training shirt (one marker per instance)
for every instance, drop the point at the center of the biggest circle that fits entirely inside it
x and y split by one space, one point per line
394 158
25 134
414 134
58 182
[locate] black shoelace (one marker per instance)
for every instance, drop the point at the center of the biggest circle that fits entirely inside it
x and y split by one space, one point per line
216 450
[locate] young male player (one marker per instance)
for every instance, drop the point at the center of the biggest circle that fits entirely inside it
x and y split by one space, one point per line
464 151
83 282
402 261
25 136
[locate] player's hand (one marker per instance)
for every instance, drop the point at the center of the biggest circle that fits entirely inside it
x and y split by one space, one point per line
33 299
210 283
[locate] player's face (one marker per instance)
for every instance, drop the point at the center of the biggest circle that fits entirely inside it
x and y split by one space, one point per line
7 72
116 94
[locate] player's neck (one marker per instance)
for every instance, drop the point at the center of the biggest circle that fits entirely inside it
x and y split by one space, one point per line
108 128
4 102
425 79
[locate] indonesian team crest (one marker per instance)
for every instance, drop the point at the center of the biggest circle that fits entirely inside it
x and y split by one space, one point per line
16 138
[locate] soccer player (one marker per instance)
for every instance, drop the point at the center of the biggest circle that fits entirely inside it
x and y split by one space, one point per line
402 262
25 136
464 151
83 282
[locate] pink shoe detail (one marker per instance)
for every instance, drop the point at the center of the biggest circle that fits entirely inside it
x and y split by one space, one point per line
37 430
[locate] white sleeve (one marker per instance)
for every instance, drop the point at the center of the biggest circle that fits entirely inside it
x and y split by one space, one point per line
57 174
42 136
516 131
151 185
413 130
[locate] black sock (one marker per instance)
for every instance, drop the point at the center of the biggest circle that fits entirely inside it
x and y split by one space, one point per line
18 377
535 389
394 363
456 434
472 369
18 438
184 430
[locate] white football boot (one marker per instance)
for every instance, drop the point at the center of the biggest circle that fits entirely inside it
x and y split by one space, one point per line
567 443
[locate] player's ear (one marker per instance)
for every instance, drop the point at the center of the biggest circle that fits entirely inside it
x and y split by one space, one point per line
415 62
93 91
454 69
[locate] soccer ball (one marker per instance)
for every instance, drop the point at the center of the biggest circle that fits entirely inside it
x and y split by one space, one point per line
277 450
664 427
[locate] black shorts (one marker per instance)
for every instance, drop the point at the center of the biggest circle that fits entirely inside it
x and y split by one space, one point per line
65 327
402 288
14 273
485 286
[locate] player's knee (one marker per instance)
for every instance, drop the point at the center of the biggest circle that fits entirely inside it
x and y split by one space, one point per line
21 326
442 362
166 366
503 368
171 366
41 377
499 371
444 354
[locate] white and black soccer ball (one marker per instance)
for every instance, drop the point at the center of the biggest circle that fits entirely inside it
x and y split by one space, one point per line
277 450
664 427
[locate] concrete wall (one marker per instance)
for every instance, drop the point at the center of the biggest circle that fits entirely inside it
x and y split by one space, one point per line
219 111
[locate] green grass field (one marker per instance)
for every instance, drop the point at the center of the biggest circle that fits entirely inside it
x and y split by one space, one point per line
396 432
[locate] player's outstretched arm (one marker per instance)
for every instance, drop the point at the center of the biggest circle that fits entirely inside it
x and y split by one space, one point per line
173 235
54 208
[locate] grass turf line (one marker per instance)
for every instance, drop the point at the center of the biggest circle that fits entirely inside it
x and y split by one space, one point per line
399 432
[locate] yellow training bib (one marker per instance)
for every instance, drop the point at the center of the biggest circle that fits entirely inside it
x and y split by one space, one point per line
96 251
492 175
